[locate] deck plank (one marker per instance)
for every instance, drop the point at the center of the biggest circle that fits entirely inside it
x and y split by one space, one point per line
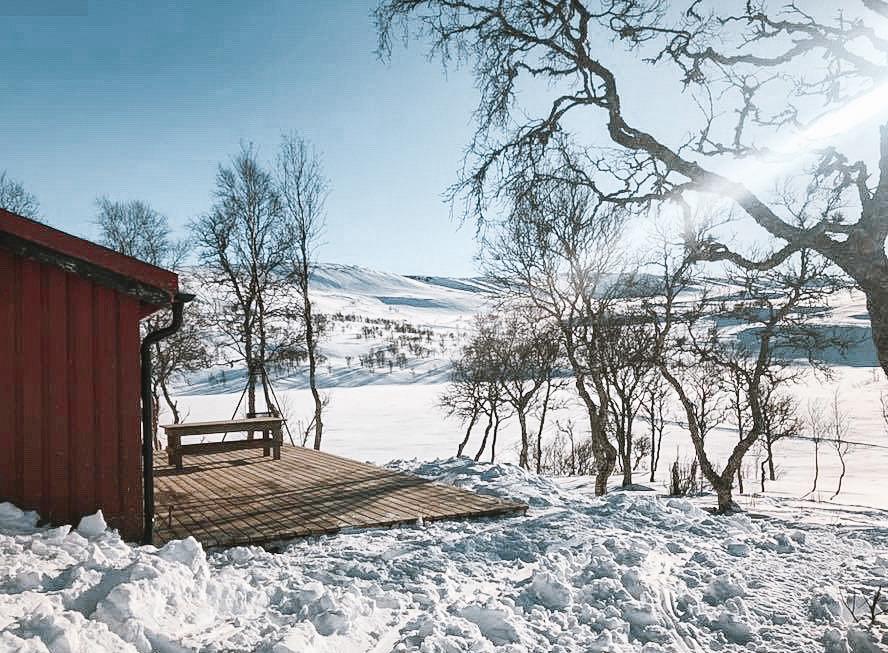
241 497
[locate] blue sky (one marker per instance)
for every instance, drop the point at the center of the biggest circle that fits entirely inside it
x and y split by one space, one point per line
139 100
144 100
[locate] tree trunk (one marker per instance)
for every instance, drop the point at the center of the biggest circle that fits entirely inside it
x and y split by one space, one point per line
523 455
496 425
816 466
877 306
465 441
620 437
605 453
251 389
604 467
263 355
740 430
724 492
311 344
841 476
174 405
654 449
605 458
539 442
484 439
251 366
659 451
627 453
251 393
263 375
155 415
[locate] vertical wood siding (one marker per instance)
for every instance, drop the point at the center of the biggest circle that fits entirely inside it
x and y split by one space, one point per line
69 396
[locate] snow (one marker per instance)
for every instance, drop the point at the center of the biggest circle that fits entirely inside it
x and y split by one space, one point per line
92 525
628 572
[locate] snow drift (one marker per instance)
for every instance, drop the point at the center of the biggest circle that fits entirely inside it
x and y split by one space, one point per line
630 572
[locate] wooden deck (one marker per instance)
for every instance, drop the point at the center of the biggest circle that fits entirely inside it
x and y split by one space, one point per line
227 499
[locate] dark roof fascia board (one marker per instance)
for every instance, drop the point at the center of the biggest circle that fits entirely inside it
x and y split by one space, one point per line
100 275
73 247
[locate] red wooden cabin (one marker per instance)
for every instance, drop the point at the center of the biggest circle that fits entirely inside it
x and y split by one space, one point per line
70 438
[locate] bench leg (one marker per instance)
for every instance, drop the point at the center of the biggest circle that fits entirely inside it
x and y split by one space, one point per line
173 442
266 435
278 438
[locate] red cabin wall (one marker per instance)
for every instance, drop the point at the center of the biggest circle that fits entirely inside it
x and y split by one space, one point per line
69 396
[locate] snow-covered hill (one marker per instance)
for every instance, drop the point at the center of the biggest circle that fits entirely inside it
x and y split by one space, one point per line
385 328
330 279
371 295
381 328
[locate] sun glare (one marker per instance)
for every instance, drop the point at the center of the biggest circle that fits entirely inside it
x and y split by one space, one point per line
759 173
856 112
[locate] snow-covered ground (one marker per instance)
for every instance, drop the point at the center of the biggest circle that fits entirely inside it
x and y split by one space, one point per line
629 572
634 571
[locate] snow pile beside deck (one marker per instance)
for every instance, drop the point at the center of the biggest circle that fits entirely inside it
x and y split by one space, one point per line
630 572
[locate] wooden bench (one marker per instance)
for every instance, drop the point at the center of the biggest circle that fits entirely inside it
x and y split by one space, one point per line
271 439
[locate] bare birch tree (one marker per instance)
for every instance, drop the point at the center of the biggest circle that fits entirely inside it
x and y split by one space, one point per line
245 247
303 190
840 425
654 408
627 345
560 254
464 398
478 385
524 357
818 428
15 199
781 421
762 358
